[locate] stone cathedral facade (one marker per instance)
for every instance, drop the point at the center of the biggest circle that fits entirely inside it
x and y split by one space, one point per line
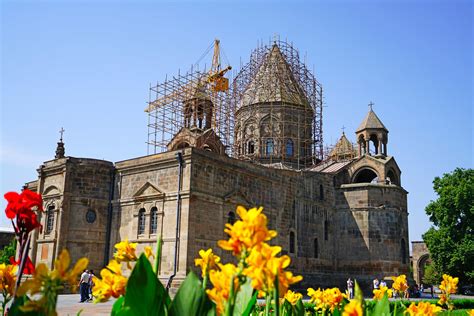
345 216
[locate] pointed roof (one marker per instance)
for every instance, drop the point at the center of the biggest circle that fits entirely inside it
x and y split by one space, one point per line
343 149
371 121
274 82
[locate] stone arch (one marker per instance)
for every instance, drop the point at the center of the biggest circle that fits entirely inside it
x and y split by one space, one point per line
181 145
51 190
231 219
392 177
365 175
421 265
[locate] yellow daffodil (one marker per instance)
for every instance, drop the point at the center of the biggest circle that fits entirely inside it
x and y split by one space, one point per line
43 278
353 308
326 299
264 266
333 298
148 252
48 283
207 262
111 284
316 297
379 293
125 252
443 299
449 285
7 278
221 280
293 297
423 309
247 233
400 283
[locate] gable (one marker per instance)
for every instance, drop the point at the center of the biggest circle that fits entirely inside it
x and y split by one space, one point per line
148 190
237 197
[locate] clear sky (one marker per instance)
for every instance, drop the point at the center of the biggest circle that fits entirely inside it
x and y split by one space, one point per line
87 65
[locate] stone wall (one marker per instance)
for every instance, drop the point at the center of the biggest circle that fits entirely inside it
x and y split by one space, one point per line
420 257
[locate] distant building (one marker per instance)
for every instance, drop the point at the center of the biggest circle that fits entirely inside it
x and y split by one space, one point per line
340 215
420 258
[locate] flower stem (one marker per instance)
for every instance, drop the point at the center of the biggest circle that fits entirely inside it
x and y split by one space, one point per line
230 302
268 301
159 243
276 296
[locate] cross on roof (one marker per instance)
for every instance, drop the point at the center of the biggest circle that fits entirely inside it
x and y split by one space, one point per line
61 131
343 128
370 105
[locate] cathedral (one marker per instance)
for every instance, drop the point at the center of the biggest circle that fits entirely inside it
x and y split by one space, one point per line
339 213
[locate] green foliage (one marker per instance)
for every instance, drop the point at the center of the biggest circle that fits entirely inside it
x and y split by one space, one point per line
451 241
431 276
7 252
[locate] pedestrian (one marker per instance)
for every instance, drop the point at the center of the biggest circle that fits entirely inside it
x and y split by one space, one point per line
376 284
350 288
84 286
432 291
91 284
383 283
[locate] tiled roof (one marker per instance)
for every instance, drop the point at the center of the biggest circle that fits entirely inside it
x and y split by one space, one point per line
274 82
371 121
330 166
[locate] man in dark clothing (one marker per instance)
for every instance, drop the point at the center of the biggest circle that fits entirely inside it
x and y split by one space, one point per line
84 286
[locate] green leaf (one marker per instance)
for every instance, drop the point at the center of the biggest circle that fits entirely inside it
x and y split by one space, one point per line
15 308
358 295
145 295
382 308
243 298
189 297
159 244
299 308
117 306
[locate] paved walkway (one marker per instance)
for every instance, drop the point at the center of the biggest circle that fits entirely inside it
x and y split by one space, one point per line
68 304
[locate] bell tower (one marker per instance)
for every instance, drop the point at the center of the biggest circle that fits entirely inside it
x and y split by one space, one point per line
372 130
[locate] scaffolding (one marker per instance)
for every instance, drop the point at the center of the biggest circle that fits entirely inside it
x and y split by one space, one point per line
289 111
276 89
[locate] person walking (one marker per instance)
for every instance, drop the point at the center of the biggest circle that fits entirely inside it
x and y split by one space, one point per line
91 285
84 286
376 284
350 288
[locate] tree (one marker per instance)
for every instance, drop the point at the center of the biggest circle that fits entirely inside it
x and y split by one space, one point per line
7 252
451 240
431 276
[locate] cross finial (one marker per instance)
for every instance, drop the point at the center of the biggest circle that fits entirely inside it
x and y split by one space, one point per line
343 128
61 131
370 105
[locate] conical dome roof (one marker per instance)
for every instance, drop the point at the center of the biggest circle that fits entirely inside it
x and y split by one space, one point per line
371 121
342 149
274 82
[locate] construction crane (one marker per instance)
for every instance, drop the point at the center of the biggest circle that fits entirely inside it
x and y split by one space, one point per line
213 80
216 78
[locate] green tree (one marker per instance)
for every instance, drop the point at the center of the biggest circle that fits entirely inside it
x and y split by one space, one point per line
431 275
7 252
451 240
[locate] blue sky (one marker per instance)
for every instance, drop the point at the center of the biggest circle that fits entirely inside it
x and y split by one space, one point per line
87 65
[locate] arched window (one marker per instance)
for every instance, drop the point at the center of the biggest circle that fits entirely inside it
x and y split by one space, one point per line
49 219
153 220
365 176
316 248
231 218
321 192
250 147
326 230
141 221
403 251
269 147
289 148
292 242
